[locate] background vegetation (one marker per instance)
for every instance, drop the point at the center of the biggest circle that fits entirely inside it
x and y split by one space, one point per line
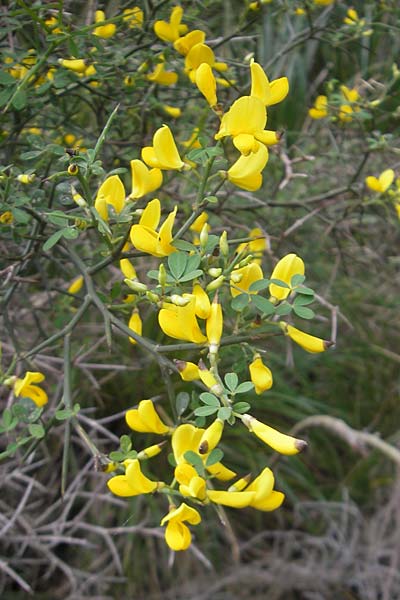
62 534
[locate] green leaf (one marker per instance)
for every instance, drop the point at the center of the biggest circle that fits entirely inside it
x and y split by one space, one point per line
9 421
193 263
280 283
283 309
53 240
224 413
125 443
305 290
209 399
31 155
191 275
177 263
214 457
261 284
231 381
195 460
205 411
117 456
244 387
63 414
183 245
263 305
70 233
36 430
6 78
20 99
241 407
303 312
212 242
301 300
153 274
200 422
57 217
297 280
171 460
20 215
240 302
182 402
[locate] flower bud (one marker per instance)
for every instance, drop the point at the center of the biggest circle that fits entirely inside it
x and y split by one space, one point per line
162 275
240 484
25 178
135 286
151 451
223 244
179 300
204 236
211 437
187 370
215 284
214 271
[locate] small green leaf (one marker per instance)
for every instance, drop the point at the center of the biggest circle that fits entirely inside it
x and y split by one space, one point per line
240 302
57 217
263 305
70 233
283 309
214 457
303 312
31 155
200 421
244 387
241 407
305 290
192 275
177 263
224 413
20 215
212 242
193 263
53 240
117 456
231 381
205 411
171 460
261 284
301 300
20 99
125 443
280 283
182 402
36 430
63 414
209 399
183 245
297 280
195 460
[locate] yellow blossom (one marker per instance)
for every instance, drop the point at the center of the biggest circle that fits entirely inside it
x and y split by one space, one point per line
163 154
320 108
345 113
173 111
284 270
191 484
135 323
308 342
231 499
351 17
25 387
249 274
145 419
145 237
245 173
211 437
245 122
76 285
323 2
199 54
214 325
265 498
198 224
133 17
132 483
268 92
260 375
193 142
103 31
6 217
202 302
382 183
187 370
144 180
172 30
111 192
26 178
78 65
180 322
127 268
161 76
206 83
185 43
52 23
351 95
280 442
177 534
255 246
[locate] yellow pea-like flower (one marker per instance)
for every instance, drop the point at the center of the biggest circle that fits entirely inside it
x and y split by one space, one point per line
25 387
145 419
206 83
231 499
211 436
177 533
164 153
214 325
127 268
198 55
256 246
187 370
144 235
133 17
6 217
382 183
76 285
285 269
184 43
78 65
103 31
202 302
173 111
245 173
266 498
135 323
249 274
191 484
320 108
171 30
144 180
111 193
280 442
161 76
199 223
133 483
268 92
308 342
180 322
260 375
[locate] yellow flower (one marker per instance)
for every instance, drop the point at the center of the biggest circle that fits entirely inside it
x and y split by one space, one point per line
127 268
191 484
268 92
198 224
173 111
78 65
161 76
284 270
260 375
214 325
232 499
163 154
245 122
185 43
382 183
135 323
199 54
177 534
52 23
351 17
351 95
6 217
145 419
265 498
26 178
245 173
132 483
202 302
206 83
144 180
187 370
172 30
25 388
248 275
103 31
193 142
144 235
345 113
111 192
256 246
76 285
133 17
308 342
211 437
323 2
280 442
320 108
180 322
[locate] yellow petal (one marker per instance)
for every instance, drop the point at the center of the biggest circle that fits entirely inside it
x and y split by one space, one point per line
165 149
135 323
119 485
165 235
250 273
151 215
76 285
187 370
113 191
214 324
269 503
179 322
185 43
246 115
286 268
211 437
232 499
183 513
206 83
386 179
178 536
145 419
374 184
144 180
198 54
220 472
202 302
308 342
280 442
185 437
260 375
127 268
137 480
145 239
